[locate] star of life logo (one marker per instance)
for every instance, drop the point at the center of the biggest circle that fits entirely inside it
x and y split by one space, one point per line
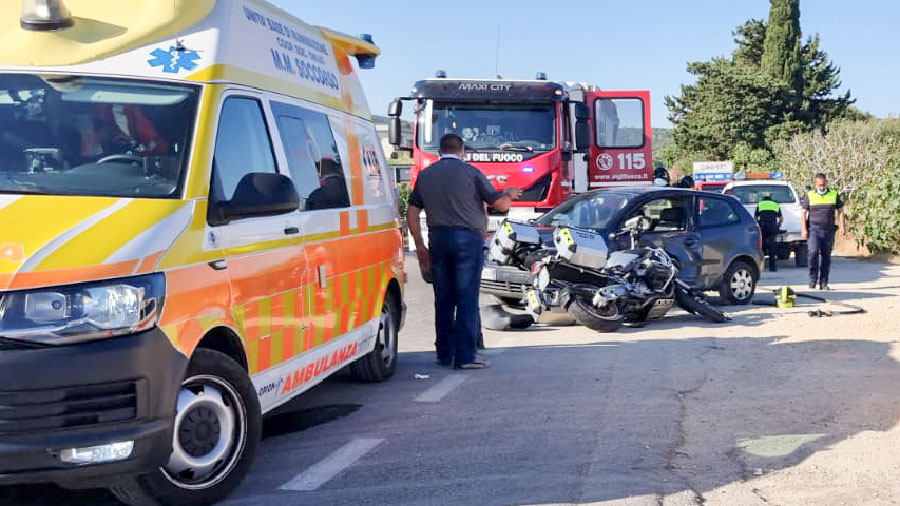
173 60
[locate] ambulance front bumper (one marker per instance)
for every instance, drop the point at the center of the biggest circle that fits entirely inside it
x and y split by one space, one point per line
58 399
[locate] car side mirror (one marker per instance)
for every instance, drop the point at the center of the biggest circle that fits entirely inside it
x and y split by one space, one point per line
395 109
257 194
395 136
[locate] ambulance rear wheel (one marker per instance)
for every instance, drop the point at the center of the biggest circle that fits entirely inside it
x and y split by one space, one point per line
380 364
218 426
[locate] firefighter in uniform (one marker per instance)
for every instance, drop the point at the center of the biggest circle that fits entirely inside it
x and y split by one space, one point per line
818 219
768 215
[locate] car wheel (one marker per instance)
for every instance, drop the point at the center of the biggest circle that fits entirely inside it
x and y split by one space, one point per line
800 256
784 251
380 364
738 283
218 425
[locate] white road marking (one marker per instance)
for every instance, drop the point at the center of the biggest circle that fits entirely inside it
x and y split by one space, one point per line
319 474
444 387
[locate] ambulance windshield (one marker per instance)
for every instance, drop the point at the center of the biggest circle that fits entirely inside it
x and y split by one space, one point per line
526 127
93 136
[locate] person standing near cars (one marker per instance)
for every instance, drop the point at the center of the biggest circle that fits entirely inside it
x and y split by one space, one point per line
453 194
818 219
768 215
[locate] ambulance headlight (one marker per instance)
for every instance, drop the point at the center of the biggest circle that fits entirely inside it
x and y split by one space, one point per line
80 313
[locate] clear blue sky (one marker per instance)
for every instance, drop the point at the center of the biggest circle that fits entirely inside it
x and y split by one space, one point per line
631 44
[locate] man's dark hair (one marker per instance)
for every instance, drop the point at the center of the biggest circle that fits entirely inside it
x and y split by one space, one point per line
821 175
451 143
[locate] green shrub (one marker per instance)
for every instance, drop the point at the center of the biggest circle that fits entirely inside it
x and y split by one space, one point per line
862 162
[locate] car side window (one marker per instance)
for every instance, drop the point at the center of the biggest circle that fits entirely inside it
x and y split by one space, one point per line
242 146
313 157
715 213
668 214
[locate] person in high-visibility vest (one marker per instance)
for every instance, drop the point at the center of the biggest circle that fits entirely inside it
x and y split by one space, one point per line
818 219
768 215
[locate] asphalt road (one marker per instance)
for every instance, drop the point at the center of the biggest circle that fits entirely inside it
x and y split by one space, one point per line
773 407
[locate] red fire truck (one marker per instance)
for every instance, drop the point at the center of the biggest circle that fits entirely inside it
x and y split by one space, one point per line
550 139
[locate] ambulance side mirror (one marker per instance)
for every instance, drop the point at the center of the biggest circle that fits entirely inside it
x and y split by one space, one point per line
257 194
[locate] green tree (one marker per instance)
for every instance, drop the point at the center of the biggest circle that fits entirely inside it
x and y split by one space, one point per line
736 108
730 103
782 49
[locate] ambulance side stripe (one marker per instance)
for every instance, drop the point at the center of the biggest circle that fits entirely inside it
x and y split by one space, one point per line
54 245
157 238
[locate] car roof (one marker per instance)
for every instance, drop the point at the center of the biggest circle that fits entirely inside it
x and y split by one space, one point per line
759 182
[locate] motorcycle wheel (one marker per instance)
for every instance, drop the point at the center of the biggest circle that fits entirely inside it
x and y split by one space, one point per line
594 318
697 305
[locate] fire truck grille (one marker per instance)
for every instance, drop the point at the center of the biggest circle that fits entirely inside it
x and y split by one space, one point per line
27 411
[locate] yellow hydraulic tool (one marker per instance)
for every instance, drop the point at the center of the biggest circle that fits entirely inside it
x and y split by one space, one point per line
785 297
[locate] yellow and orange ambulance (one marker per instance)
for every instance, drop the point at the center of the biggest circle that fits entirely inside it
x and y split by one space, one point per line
197 224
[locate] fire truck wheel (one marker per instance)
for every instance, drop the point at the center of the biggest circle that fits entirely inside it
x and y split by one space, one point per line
380 363
218 426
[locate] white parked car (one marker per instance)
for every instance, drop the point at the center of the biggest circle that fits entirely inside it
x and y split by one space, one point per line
751 191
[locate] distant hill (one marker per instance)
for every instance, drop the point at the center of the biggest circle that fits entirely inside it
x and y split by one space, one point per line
662 137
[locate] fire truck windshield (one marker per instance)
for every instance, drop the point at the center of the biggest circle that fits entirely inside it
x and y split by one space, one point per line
528 127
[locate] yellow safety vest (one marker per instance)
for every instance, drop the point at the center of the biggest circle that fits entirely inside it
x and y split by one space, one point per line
768 205
815 199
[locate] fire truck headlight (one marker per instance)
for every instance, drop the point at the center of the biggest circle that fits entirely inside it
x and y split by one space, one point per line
80 313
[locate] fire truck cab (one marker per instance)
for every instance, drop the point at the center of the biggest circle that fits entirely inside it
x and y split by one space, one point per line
550 139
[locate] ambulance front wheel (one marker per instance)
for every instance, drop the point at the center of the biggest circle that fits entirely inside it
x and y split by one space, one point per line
380 364
218 426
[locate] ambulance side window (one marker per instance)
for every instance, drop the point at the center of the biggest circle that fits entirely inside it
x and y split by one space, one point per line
313 157
242 146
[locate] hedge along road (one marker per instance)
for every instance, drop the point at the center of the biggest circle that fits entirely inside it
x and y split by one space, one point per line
772 408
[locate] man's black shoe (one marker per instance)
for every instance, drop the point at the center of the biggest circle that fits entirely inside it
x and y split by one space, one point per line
824 287
443 363
812 285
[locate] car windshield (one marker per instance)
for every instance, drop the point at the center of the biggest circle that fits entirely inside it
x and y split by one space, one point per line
593 211
523 127
93 136
753 194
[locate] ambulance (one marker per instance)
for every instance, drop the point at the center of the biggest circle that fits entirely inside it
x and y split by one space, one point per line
197 224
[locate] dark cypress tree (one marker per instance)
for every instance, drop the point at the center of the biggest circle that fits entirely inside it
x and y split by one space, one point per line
782 51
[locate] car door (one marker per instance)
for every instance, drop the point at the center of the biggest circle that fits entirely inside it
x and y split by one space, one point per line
719 224
673 230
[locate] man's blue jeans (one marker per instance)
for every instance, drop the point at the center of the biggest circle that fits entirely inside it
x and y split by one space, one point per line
457 256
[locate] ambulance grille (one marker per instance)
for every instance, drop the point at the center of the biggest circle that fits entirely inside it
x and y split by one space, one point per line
27 411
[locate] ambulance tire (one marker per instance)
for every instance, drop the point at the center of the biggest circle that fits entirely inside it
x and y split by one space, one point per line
234 403
585 313
380 364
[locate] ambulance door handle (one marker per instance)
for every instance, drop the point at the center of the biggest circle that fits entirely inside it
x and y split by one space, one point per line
291 231
323 279
219 265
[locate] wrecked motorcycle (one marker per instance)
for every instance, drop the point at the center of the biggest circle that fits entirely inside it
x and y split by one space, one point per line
601 290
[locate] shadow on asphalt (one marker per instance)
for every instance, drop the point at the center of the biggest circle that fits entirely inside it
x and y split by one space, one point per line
702 412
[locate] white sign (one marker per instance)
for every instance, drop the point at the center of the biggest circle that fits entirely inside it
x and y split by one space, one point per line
725 167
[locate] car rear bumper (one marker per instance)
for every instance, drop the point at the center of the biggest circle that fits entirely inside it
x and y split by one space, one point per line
63 397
